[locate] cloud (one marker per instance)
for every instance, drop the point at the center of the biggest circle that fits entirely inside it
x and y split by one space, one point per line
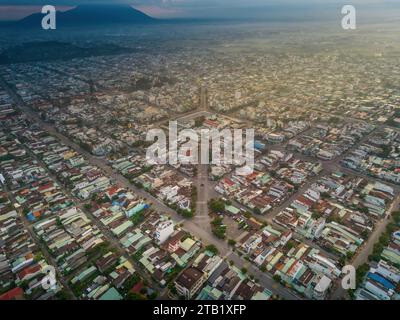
159 11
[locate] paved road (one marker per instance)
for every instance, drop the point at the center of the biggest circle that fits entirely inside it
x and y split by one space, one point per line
203 98
202 219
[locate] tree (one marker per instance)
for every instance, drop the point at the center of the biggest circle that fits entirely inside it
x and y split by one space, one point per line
247 215
38 257
231 242
63 295
199 121
325 195
396 217
216 222
349 255
219 232
244 270
172 288
135 296
216 205
153 295
364 234
290 245
361 272
384 239
385 151
277 278
186 213
352 294
143 290
213 249
363 210
316 215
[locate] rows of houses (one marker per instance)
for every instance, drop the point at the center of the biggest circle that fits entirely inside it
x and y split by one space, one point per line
299 266
378 156
286 166
275 177
45 202
22 264
169 186
327 142
212 278
383 277
131 166
337 211
69 237
70 167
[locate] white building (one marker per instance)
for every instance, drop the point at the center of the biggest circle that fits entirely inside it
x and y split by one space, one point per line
164 230
321 288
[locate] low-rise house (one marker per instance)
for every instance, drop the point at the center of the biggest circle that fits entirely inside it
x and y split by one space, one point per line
189 282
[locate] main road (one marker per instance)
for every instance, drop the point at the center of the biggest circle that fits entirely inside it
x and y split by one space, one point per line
202 219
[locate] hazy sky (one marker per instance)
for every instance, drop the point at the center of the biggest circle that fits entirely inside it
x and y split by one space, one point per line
14 9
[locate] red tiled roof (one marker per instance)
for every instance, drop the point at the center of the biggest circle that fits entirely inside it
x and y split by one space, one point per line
137 287
16 293
46 186
112 190
29 270
305 201
252 176
229 181
211 123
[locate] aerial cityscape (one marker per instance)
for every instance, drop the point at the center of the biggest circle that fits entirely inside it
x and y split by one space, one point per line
84 214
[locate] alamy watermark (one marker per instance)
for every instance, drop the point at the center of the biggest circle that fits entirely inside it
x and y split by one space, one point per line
49 20
49 281
190 147
349 277
348 21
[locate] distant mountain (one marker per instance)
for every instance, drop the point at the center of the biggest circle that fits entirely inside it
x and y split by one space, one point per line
92 15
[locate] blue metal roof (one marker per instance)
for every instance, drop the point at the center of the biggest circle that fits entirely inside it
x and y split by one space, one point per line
383 281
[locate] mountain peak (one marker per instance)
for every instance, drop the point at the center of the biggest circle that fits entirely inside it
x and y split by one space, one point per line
90 14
